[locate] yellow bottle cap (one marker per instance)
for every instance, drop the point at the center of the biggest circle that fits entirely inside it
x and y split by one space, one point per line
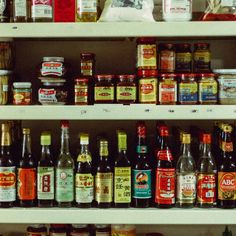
122 140
45 138
26 131
84 139
186 139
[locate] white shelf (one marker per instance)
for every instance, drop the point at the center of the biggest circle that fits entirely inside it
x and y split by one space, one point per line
117 29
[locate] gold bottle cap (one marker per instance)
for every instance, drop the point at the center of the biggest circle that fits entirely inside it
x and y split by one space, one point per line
5 127
45 138
122 140
84 139
26 131
103 142
103 148
186 139
227 128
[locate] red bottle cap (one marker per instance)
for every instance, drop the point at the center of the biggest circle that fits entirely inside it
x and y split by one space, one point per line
206 138
82 80
64 124
126 76
163 130
141 129
146 40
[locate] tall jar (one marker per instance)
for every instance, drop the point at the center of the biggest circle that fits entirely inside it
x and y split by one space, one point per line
87 64
183 62
86 11
167 58
21 10
42 10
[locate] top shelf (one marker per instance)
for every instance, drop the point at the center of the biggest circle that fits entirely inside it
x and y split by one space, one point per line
117 29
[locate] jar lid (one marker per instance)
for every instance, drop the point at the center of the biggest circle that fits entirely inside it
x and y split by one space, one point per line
105 76
168 75
57 59
126 76
147 73
166 45
205 75
53 84
100 226
87 54
183 45
225 71
22 84
202 44
85 80
146 40
79 226
186 75
6 72
53 80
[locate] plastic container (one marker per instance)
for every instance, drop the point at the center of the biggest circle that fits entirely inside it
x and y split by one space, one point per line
5 77
22 93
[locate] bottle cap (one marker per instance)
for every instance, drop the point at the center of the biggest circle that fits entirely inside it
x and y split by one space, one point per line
206 138
103 142
141 129
186 138
64 124
45 138
84 139
26 131
79 226
227 128
5 127
163 131
122 140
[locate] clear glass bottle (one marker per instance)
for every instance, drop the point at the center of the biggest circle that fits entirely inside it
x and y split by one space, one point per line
42 11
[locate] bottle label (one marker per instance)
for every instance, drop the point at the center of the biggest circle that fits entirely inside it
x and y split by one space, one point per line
104 187
3 6
41 9
226 146
167 61
177 6
81 94
188 92
165 186
147 56
126 93
104 93
89 6
183 61
122 185
20 8
64 185
87 67
7 184
84 186
142 184
227 185
52 68
208 91
206 188
168 91
141 149
26 187
47 95
123 232
227 88
148 90
45 183
36 234
164 155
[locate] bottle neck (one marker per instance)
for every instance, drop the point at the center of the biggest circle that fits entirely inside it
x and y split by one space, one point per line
103 153
84 148
206 149
186 149
26 149
46 149
163 143
65 141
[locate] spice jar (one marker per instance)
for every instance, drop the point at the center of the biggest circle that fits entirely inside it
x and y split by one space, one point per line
104 89
167 89
39 230
87 64
5 77
123 230
22 93
86 11
6 55
207 89
126 89
183 61
167 57
82 91
146 54
79 230
42 10
102 230
147 86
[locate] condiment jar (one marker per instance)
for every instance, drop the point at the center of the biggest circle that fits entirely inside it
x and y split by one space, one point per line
87 64
58 230
167 58
126 89
123 230
82 91
6 55
79 230
147 86
183 60
5 77
42 11
167 89
86 11
22 93
104 89
39 230
102 230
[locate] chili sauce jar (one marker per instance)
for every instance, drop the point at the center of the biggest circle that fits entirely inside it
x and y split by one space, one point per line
183 60
87 64
167 58
22 93
82 91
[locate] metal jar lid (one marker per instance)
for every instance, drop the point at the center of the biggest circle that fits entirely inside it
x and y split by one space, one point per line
53 59
22 85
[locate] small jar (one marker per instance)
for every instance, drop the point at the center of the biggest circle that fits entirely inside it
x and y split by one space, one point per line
6 55
102 230
123 230
104 89
146 54
207 89
126 89
183 61
5 78
42 11
202 58
167 89
147 86
39 230
58 230
87 64
167 58
79 230
22 93
86 11
82 91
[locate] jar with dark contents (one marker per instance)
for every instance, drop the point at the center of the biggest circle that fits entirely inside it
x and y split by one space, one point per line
87 64
82 91
79 230
102 230
104 89
126 89
39 230
42 11
167 57
58 230
183 61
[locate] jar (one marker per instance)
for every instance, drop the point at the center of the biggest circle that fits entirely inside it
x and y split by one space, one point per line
167 58
126 89
102 230
39 230
53 94
123 230
147 86
87 64
80 230
207 89
104 89
202 58
58 230
82 91
86 11
183 61
5 10
146 54
21 10
42 10
167 89
22 93
187 89
5 78
6 55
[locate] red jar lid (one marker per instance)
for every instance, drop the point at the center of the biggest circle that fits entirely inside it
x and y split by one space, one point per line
147 73
146 40
126 76
206 75
87 55
187 75
105 76
82 80
167 75
169 46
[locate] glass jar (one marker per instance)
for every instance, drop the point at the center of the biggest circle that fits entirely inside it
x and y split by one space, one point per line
6 55
82 91
147 86
167 89
21 10
86 11
5 78
123 230
126 89
80 230
22 93
5 9
39 230
87 64
104 89
102 230
42 10
183 61
146 54
187 89
167 58
58 230
207 89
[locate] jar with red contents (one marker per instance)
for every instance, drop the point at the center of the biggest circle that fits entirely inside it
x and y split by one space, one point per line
82 91
167 58
87 64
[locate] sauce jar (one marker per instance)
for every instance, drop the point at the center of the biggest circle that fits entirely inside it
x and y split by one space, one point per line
167 89
147 86
208 89
79 230
104 89
167 57
42 10
39 230
183 60
22 93
5 78
187 89
87 64
82 91
146 54
86 11
102 230
126 89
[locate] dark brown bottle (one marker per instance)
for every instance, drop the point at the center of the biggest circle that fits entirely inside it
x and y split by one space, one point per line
141 172
26 174
7 170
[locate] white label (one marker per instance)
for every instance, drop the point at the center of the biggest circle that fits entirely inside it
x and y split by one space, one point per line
227 88
52 68
41 11
20 8
177 6
5 87
2 6
47 96
228 3
86 6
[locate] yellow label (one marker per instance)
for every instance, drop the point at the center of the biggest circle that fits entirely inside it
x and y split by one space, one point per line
126 93
147 56
122 140
122 185
104 93
148 90
84 158
123 232
189 87
202 56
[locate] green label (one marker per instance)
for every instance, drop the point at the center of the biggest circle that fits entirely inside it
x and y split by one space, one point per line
126 93
141 149
142 184
64 185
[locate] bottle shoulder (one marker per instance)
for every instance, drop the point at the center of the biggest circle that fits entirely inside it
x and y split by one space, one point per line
186 164
65 161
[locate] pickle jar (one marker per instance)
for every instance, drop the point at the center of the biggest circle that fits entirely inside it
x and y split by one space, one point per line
22 93
126 89
5 80
82 91
183 60
87 64
167 57
86 11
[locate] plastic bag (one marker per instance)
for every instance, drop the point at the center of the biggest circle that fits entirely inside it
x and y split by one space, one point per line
128 10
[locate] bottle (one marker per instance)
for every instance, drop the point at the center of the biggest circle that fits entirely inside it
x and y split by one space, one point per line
65 170
165 172
84 181
227 232
5 11
39 230
79 230
186 175
21 10
104 178
41 11
45 173
122 174
26 174
141 172
227 171
206 176
7 170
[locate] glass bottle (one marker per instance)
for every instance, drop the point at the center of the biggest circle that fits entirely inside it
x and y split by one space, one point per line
65 170
21 10
186 175
39 230
167 57
206 176
86 11
42 11
5 11
84 181
45 173
27 174
7 170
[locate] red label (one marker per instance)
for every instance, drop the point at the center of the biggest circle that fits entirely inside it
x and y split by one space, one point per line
165 186
164 155
47 91
146 88
42 2
46 181
227 185
7 179
149 52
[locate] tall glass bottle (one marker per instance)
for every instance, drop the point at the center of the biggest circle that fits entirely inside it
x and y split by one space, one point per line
186 175
84 181
7 170
141 172
26 174
104 178
65 171
45 173
206 175
122 173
